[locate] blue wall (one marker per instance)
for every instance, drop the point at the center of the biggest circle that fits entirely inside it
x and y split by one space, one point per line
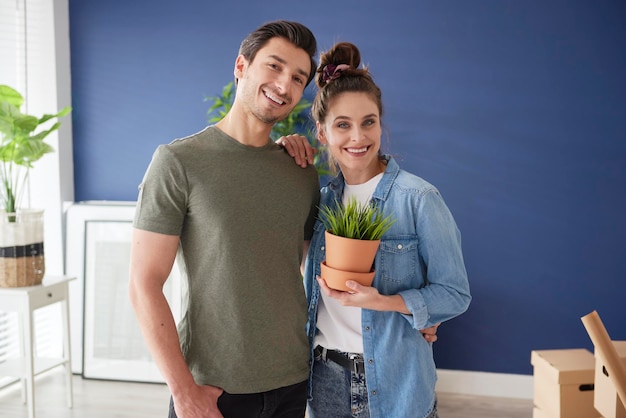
516 110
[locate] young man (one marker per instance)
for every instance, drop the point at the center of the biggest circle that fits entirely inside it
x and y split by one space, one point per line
240 212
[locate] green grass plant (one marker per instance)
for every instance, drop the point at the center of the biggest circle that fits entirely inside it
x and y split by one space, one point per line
355 220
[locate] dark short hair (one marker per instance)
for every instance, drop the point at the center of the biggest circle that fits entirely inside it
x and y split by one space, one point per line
294 32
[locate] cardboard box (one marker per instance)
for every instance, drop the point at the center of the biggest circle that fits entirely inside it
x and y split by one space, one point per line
540 413
563 383
605 398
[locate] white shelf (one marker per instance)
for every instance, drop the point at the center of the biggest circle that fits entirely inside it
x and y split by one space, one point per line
25 301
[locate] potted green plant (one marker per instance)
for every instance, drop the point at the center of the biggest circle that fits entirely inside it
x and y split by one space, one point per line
353 234
21 230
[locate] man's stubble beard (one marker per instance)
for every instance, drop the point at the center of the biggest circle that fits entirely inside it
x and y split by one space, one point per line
263 116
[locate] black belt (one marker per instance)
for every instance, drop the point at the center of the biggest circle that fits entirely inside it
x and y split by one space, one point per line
354 362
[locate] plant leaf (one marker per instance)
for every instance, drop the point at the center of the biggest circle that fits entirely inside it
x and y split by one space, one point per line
10 95
353 220
21 145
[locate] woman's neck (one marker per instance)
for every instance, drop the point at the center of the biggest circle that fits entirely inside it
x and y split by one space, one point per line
356 176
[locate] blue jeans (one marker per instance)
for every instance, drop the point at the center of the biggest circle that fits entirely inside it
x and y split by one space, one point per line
286 402
337 392
340 393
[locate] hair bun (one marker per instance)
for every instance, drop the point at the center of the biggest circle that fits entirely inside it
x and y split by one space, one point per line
341 57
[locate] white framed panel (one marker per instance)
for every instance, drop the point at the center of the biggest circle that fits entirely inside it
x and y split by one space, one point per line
114 347
106 340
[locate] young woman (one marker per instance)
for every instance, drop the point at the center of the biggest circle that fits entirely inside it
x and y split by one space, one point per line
370 359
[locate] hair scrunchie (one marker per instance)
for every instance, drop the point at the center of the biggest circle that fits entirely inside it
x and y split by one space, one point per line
331 72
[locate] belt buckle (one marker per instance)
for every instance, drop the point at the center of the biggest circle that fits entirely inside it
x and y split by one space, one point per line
355 359
321 351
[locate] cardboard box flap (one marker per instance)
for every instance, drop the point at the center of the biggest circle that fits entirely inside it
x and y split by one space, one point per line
606 400
620 347
568 366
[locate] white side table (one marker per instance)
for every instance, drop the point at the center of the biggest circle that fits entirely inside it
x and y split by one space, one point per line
24 301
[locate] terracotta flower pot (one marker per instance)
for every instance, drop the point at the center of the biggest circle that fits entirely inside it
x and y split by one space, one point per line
336 279
350 254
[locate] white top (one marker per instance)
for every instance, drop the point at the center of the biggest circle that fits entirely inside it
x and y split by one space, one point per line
339 327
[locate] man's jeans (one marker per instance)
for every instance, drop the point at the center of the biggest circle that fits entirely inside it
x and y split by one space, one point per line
287 402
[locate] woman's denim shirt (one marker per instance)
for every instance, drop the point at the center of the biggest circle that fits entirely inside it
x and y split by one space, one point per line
421 259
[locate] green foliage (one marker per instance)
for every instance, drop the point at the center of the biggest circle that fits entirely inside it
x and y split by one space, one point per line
20 145
364 222
297 122
221 104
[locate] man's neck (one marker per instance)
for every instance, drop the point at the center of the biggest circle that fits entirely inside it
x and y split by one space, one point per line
245 128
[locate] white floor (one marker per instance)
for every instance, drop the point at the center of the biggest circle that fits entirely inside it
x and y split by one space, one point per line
107 399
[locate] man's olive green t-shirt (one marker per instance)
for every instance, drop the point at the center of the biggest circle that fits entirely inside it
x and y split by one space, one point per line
242 214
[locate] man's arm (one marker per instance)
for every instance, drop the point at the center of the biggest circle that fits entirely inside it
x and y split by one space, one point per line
151 260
